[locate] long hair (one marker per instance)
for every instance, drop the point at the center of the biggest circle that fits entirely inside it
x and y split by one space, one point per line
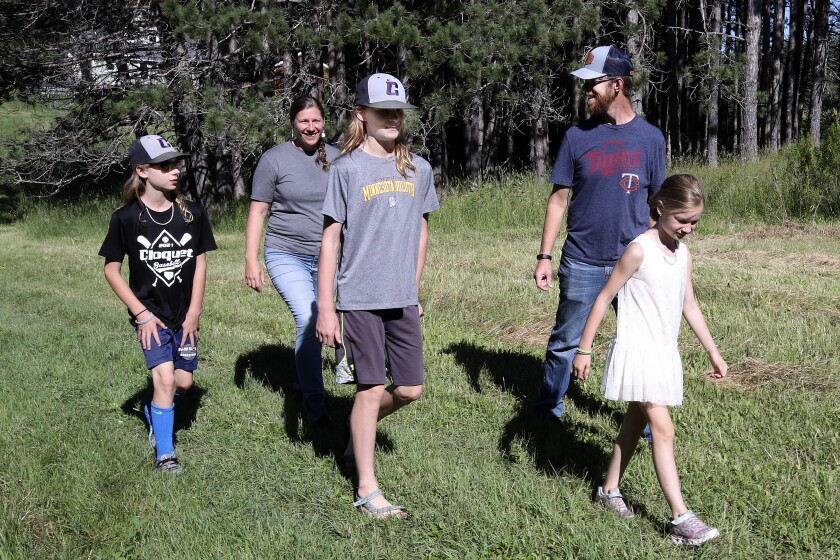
135 186
356 134
302 103
678 192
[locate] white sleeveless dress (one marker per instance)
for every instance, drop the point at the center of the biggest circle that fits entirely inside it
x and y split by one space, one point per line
643 361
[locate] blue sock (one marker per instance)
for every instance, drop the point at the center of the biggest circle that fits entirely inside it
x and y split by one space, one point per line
163 421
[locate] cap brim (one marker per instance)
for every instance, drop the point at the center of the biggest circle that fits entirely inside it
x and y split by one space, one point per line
587 74
167 156
390 105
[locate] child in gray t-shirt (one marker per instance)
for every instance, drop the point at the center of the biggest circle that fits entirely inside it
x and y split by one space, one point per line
376 211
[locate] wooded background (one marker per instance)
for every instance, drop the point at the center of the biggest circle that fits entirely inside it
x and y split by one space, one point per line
718 77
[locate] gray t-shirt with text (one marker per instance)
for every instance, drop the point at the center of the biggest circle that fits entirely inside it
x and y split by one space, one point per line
294 185
381 212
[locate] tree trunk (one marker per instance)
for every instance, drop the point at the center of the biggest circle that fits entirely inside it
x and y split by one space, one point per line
792 71
820 59
713 116
474 131
234 75
338 100
749 145
765 62
635 45
539 140
775 101
490 142
187 124
674 76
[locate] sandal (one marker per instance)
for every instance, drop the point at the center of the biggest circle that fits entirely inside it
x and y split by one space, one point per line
379 513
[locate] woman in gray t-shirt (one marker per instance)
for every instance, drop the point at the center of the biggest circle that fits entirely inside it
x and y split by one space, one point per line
289 186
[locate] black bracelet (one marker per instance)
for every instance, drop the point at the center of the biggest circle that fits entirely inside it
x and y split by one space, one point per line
543 256
138 313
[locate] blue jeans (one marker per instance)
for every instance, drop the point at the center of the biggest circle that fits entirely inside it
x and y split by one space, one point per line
579 285
296 278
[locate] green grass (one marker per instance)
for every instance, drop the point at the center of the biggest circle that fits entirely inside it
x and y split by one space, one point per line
758 454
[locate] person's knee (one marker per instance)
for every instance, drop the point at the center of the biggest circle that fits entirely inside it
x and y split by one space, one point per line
165 383
408 393
369 395
183 385
662 432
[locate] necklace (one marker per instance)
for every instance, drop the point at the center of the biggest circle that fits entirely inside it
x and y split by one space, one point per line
671 260
171 215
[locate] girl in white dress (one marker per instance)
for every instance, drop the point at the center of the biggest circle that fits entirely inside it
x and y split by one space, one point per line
653 283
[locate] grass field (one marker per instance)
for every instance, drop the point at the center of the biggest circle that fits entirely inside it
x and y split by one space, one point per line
481 477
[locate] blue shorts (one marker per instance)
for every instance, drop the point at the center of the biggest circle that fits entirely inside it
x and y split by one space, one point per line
170 350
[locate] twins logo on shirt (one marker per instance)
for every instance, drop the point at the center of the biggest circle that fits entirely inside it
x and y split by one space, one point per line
165 256
629 182
615 159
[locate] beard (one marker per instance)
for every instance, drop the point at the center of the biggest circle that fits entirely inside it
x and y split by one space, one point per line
598 105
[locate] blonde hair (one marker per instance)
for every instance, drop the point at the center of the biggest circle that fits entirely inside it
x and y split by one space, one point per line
678 192
356 134
135 186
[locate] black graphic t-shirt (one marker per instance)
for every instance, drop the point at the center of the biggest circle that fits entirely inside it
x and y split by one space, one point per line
161 249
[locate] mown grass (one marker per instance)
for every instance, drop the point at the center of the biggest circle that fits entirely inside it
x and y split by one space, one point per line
481 477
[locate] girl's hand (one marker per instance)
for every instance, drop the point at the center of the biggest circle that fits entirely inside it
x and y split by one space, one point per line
190 330
147 331
327 328
719 365
254 275
580 366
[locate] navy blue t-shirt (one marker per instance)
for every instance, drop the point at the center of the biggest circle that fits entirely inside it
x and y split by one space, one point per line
611 169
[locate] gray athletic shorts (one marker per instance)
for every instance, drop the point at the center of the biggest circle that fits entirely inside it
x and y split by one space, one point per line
370 336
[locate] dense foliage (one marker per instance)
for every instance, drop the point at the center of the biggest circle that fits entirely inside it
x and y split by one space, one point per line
491 77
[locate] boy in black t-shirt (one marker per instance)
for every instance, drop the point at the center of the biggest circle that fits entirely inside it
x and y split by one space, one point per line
166 249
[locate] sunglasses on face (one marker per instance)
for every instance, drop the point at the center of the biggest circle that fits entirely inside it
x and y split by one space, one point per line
593 83
167 166
389 114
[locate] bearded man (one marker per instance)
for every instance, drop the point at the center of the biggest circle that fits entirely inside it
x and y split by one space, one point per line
606 168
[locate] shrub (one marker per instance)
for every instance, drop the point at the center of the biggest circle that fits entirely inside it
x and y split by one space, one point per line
806 179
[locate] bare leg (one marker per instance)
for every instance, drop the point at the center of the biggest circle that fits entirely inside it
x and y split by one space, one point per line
163 381
372 403
396 397
625 445
663 456
183 380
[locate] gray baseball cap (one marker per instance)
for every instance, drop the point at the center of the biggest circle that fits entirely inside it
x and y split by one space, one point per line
382 91
605 61
152 149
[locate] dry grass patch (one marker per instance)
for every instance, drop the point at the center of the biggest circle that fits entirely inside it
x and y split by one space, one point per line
534 333
753 374
781 260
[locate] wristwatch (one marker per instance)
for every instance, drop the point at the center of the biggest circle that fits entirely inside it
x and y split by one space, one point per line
543 256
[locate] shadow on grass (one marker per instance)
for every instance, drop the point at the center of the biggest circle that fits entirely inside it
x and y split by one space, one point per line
273 365
554 445
185 410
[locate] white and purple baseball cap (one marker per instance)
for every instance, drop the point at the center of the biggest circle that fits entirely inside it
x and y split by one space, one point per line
382 91
152 149
605 61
